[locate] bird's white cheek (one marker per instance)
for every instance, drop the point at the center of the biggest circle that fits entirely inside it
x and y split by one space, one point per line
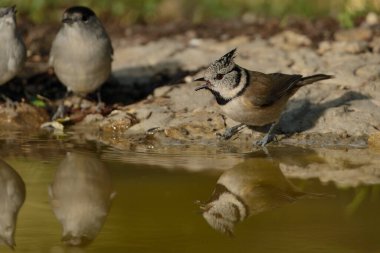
10 21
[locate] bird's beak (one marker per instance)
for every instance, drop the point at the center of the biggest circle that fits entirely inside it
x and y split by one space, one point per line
204 86
67 20
202 206
201 79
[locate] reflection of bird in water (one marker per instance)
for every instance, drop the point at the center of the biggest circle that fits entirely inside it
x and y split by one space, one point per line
251 187
81 196
12 196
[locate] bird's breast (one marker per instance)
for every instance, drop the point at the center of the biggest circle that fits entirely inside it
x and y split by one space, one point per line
244 111
81 63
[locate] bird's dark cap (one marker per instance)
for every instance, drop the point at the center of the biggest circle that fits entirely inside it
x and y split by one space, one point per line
8 10
77 13
80 10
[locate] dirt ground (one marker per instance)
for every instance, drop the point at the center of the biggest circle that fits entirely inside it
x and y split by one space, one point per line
154 65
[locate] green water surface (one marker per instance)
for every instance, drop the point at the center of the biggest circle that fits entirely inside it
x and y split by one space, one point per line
154 208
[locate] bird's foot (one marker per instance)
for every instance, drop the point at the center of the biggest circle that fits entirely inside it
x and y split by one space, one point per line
231 132
100 107
9 103
60 113
268 138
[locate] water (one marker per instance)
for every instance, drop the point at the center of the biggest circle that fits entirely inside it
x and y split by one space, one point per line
155 209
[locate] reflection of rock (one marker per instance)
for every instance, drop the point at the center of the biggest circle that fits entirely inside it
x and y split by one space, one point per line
346 168
12 196
81 195
251 187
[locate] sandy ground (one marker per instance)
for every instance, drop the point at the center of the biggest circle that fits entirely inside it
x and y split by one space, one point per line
152 85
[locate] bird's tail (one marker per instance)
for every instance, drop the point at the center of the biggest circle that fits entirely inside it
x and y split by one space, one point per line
312 79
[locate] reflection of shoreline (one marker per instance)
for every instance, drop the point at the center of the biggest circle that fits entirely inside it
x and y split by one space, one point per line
12 197
345 168
81 196
251 187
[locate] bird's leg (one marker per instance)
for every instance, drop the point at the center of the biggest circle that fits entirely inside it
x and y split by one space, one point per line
100 104
60 113
9 103
232 131
268 137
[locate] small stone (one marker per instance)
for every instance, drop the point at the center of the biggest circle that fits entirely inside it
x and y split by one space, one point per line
375 45
324 47
54 125
117 121
195 42
159 118
352 47
368 71
371 19
357 34
176 133
142 113
188 79
92 118
355 47
290 38
161 91
374 141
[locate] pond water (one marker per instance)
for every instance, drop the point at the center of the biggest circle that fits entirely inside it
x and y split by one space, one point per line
189 200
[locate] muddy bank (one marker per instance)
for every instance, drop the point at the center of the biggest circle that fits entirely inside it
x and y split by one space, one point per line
152 88
342 111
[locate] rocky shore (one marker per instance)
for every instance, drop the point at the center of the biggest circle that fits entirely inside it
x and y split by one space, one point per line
140 106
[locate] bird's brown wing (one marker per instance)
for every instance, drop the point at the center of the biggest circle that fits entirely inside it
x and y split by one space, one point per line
265 89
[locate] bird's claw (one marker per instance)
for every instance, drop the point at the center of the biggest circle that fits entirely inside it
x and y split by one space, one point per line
229 132
9 103
265 140
60 113
99 107
226 135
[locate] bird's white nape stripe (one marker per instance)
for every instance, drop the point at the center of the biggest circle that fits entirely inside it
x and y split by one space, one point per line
232 199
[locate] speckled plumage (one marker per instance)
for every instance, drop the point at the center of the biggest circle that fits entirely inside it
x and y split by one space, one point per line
249 97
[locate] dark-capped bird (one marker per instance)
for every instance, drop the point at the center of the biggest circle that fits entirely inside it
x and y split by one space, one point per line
250 97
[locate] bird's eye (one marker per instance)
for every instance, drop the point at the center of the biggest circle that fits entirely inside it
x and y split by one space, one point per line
85 19
219 76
